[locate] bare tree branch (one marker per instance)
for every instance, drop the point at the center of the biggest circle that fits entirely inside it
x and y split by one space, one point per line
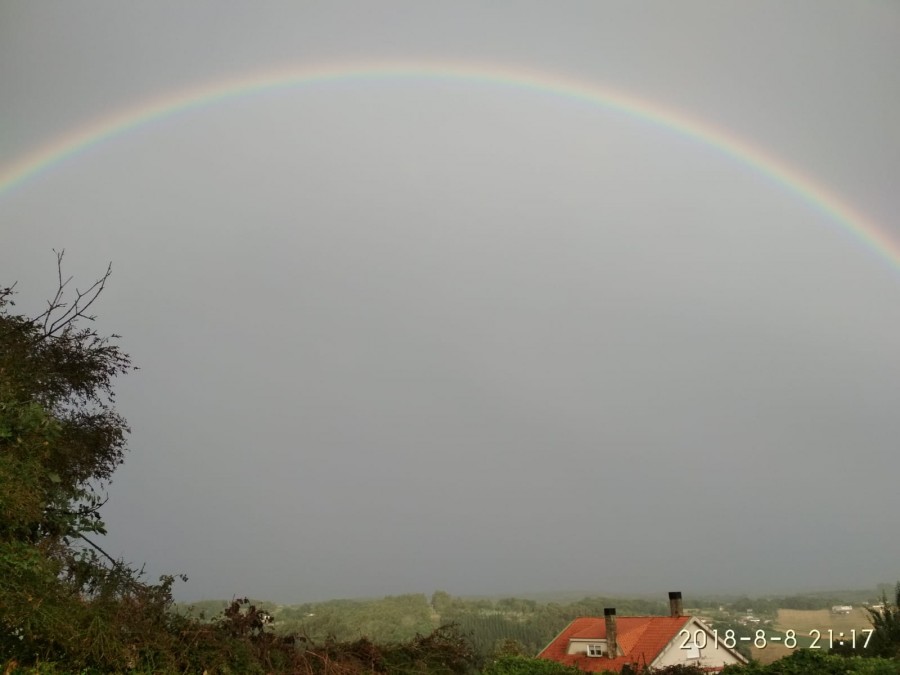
7 292
59 314
115 562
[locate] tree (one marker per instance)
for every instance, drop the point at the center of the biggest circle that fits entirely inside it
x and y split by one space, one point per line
60 442
886 623
58 429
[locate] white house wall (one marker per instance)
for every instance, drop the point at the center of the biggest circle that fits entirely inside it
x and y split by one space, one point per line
710 656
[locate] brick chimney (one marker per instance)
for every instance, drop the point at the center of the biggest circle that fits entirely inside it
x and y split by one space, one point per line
675 606
612 646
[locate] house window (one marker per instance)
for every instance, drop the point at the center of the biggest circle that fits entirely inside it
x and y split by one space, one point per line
595 650
693 650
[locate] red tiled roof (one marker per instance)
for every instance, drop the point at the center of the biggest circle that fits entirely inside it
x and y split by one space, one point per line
640 639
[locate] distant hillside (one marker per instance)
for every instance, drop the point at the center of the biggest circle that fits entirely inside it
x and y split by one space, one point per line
523 624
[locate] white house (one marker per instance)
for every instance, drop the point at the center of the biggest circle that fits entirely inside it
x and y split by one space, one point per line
635 642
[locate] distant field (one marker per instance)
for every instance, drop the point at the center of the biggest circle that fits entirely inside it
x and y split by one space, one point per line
822 620
771 653
802 622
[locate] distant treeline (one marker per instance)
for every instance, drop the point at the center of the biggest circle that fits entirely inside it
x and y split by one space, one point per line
391 619
770 606
506 625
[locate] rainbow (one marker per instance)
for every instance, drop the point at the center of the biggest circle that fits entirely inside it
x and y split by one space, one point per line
66 147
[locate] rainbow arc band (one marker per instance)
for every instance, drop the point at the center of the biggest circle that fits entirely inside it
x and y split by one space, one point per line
864 232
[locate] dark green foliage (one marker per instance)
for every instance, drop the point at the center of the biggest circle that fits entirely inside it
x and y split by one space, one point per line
510 647
443 651
678 669
487 630
811 662
62 598
886 622
60 441
521 665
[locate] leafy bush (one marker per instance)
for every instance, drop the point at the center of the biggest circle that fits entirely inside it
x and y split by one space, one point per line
810 662
521 665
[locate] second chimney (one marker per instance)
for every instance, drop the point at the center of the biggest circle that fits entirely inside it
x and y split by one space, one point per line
612 646
675 607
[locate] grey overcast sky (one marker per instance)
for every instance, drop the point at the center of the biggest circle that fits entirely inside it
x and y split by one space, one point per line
399 335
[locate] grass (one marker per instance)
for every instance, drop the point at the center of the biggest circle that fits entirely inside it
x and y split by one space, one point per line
803 623
822 620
